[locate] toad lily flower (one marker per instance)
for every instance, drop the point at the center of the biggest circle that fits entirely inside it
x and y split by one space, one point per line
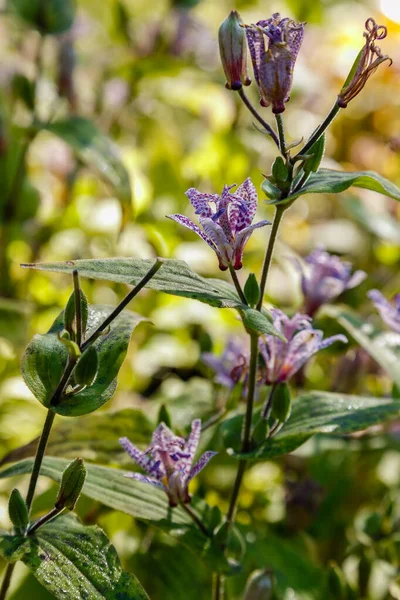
284 359
274 45
389 313
366 63
227 229
168 461
324 277
230 368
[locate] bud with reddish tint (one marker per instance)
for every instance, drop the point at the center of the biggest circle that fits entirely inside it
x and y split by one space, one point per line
233 50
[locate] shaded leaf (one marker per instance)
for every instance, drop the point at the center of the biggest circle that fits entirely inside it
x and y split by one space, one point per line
325 413
74 561
45 359
329 181
48 16
98 152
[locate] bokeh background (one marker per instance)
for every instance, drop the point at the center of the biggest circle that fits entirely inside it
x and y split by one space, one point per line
147 73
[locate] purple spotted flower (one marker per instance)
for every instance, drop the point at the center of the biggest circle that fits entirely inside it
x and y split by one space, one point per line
232 366
227 228
274 45
284 359
168 461
390 313
324 277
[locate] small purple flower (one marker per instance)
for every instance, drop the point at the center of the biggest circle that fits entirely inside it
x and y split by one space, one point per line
227 229
168 461
324 277
284 359
274 45
232 366
390 313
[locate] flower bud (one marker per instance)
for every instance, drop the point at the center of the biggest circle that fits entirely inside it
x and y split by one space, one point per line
71 485
252 290
233 49
17 510
86 370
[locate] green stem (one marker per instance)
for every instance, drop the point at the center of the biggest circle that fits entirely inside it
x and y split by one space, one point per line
238 287
255 114
196 520
78 308
218 587
266 411
281 135
45 519
319 131
149 275
39 457
7 580
280 209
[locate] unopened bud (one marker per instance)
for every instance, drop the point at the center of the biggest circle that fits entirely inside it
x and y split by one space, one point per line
71 485
260 586
233 51
252 290
17 510
281 402
85 372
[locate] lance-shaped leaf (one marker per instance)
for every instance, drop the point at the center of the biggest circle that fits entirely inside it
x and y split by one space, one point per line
142 501
329 181
98 152
45 359
323 413
384 347
175 277
74 561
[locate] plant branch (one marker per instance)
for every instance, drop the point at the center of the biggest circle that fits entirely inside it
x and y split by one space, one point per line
281 134
39 457
280 209
238 287
196 520
319 131
255 114
45 519
149 275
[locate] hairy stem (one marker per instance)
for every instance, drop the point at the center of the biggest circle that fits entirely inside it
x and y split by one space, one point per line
319 131
39 457
255 114
237 284
149 275
45 519
281 135
280 209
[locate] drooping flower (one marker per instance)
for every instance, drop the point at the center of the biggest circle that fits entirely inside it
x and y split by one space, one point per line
390 313
231 367
274 45
324 277
168 461
284 359
227 228
366 63
233 51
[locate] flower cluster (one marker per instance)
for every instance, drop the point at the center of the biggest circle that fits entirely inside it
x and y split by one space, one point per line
274 44
168 461
283 359
390 313
324 277
228 227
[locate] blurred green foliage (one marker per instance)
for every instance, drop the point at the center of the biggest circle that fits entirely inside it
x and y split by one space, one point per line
146 77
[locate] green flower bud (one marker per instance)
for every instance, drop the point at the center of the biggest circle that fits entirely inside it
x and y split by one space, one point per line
85 372
281 402
71 485
270 190
252 290
18 511
233 51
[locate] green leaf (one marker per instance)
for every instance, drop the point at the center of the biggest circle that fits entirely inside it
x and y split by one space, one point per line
142 501
48 16
257 321
75 561
378 345
95 439
328 181
324 413
317 153
45 359
98 152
